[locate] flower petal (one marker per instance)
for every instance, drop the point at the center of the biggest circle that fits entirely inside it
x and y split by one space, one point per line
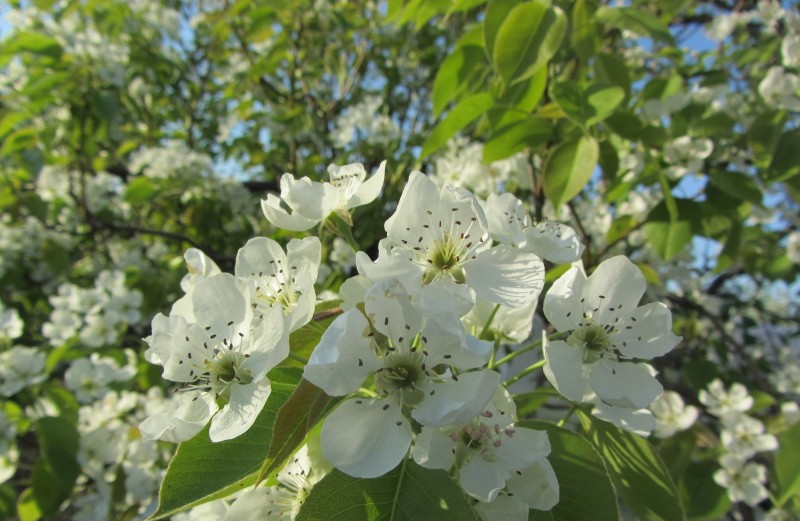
613 290
370 189
482 480
433 449
637 421
506 276
241 411
343 358
280 218
458 401
565 371
646 332
366 438
624 384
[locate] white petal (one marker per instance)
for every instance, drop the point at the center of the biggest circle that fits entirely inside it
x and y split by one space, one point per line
390 309
280 218
353 290
525 447
562 303
303 257
637 421
482 480
537 486
370 189
191 412
343 358
241 411
565 371
253 504
220 303
433 449
309 198
258 257
507 218
624 384
614 289
506 276
646 332
419 196
366 438
447 342
503 508
456 402
555 242
445 294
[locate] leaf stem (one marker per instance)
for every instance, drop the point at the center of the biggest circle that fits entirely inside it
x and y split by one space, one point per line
530 369
399 486
566 418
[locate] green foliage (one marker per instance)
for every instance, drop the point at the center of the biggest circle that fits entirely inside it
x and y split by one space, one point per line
637 471
568 168
188 482
586 492
407 493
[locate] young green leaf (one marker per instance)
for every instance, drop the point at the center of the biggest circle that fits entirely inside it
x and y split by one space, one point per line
407 493
568 168
637 471
467 111
528 38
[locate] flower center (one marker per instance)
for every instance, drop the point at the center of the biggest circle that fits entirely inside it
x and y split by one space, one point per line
445 257
402 372
227 370
594 339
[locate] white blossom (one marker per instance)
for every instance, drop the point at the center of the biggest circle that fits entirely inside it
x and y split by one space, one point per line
311 202
609 335
438 246
20 367
672 414
743 481
719 401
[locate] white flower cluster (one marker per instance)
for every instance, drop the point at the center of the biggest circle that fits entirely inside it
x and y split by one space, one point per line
24 244
405 353
364 122
461 164
672 414
742 438
95 315
223 336
173 159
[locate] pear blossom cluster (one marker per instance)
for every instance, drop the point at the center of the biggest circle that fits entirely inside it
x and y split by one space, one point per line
743 437
95 316
227 331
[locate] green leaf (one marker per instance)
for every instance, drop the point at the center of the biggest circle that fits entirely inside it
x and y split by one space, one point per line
525 95
568 168
636 20
704 499
496 13
296 417
202 470
512 138
528 38
27 508
785 161
610 68
55 473
585 489
787 464
467 111
590 105
33 42
668 238
407 493
737 185
637 471
140 190
584 35
454 75
764 134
